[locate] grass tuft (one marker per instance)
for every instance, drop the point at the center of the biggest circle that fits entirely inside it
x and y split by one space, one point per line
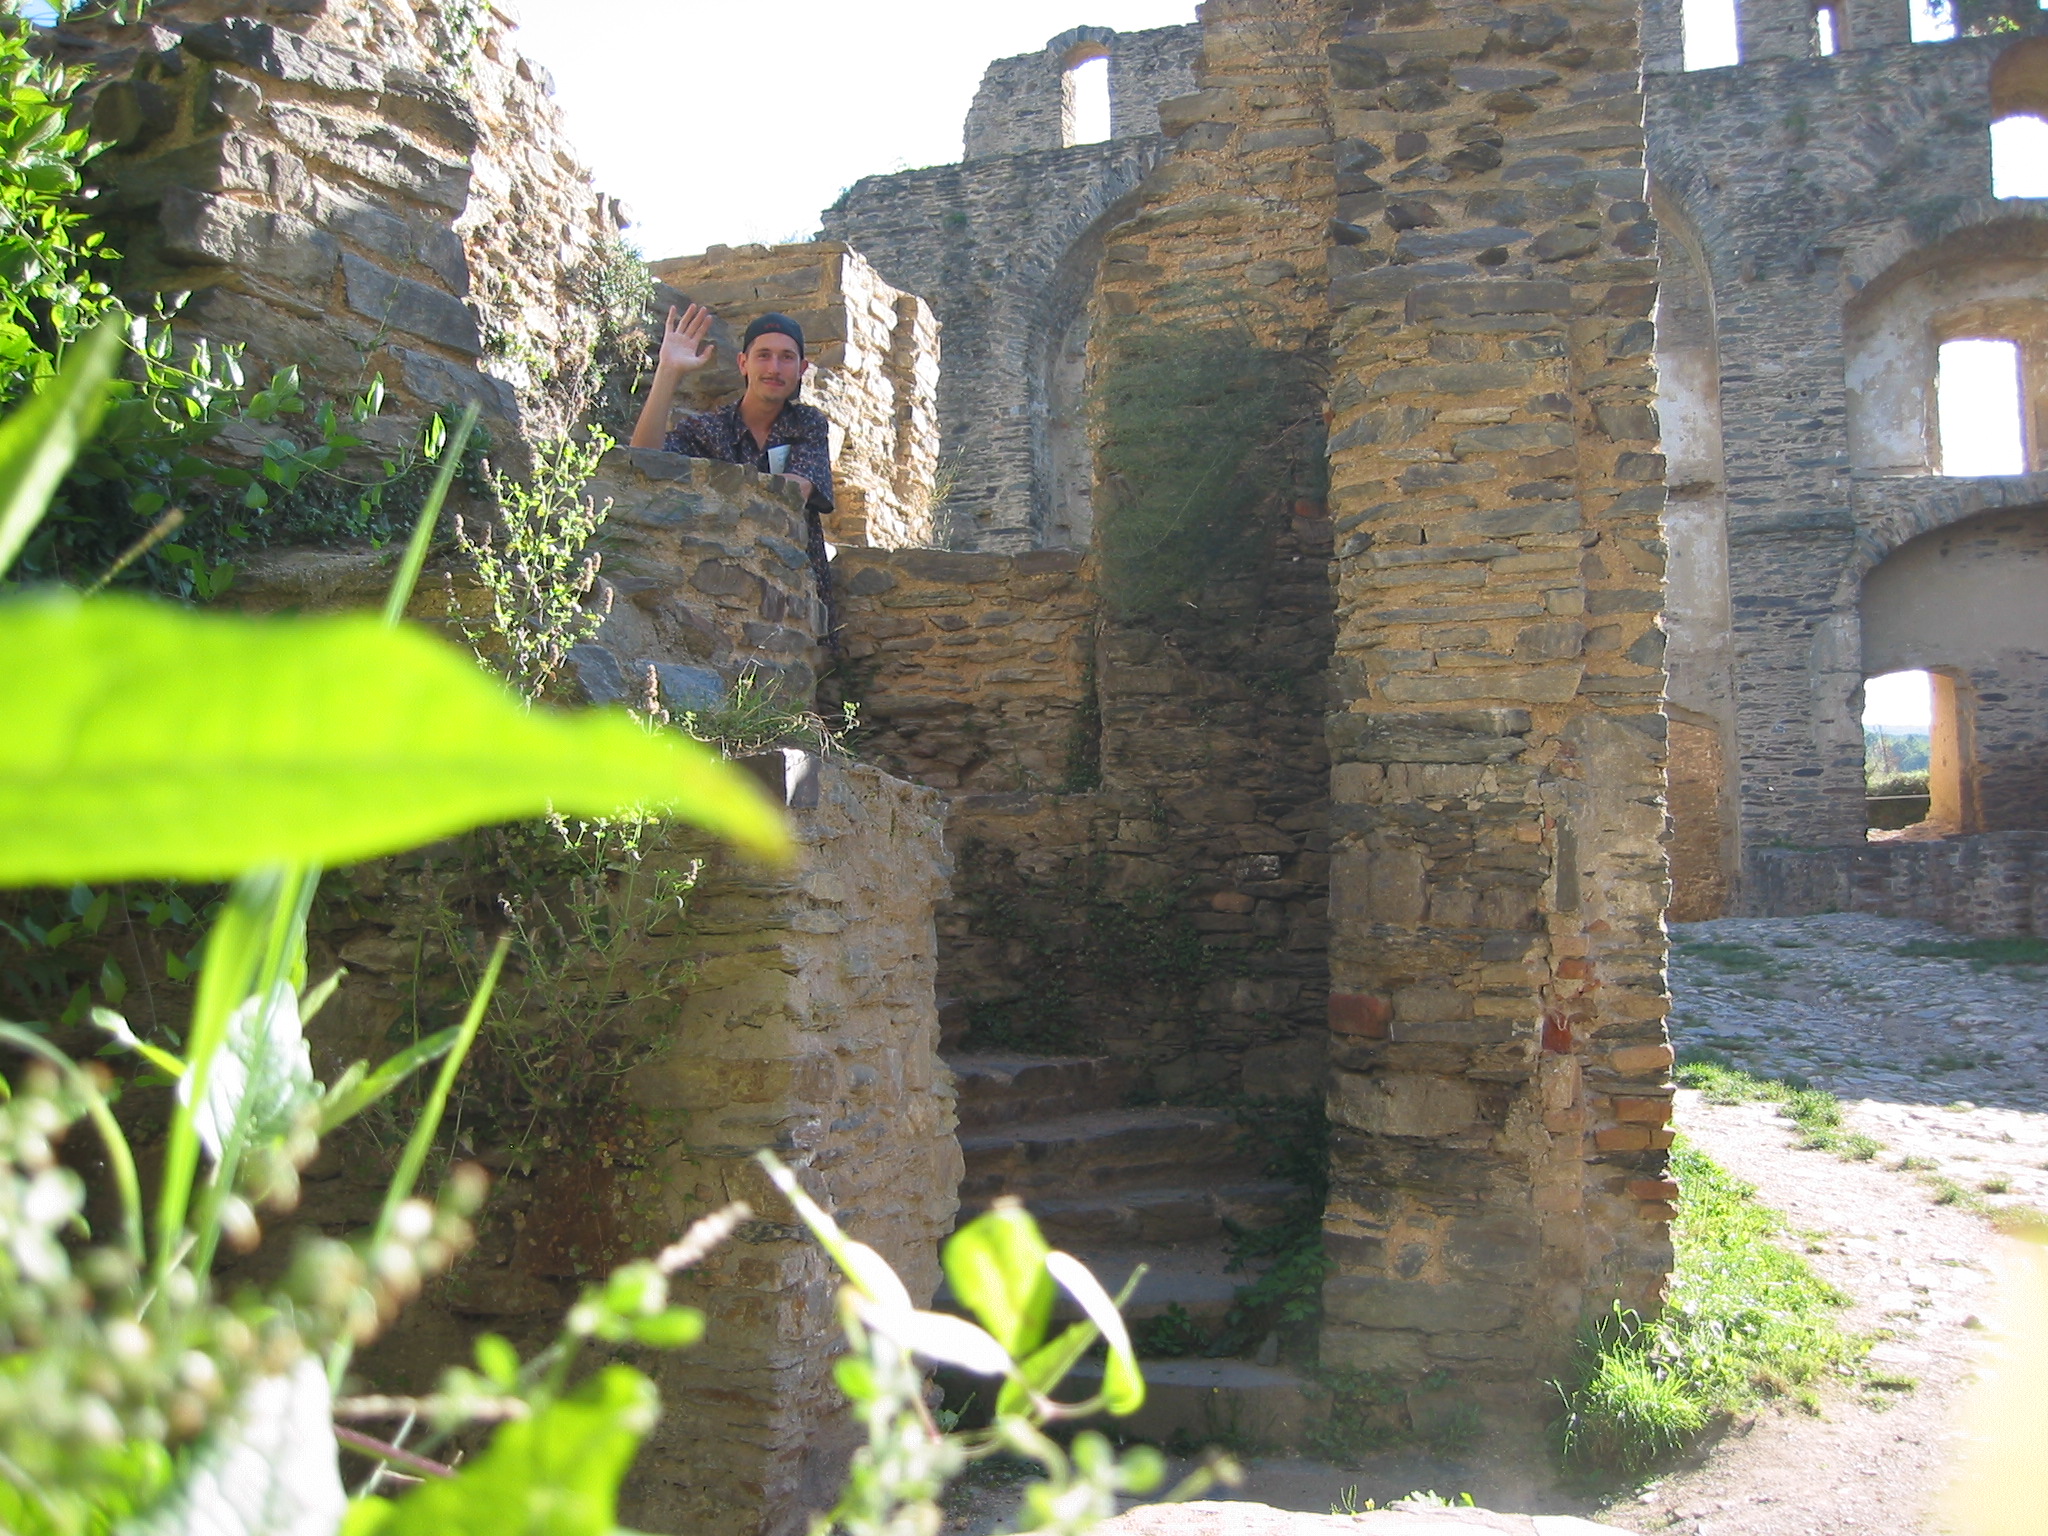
1816 1112
2022 949
1739 958
1745 1319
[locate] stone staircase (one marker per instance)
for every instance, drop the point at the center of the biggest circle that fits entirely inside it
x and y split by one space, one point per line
1118 1187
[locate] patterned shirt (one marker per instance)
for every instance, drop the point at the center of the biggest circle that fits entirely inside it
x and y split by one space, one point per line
804 429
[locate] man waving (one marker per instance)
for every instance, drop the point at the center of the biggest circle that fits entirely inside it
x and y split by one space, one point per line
768 427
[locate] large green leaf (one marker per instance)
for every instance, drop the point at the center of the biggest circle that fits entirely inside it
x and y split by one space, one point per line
148 741
555 1474
996 1265
39 441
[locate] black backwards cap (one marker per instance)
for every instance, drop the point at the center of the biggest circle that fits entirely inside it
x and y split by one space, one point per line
777 324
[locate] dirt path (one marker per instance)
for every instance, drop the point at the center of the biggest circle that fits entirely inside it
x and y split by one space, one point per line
1873 1460
1937 1059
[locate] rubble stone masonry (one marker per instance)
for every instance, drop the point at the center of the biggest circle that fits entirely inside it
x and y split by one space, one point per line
368 190
1498 876
1463 188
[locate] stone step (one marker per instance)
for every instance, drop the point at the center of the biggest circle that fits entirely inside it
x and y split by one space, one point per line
1196 1278
1106 1150
1009 1090
1174 1215
1206 1402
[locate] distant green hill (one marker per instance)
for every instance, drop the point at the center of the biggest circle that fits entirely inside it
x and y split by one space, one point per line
1888 751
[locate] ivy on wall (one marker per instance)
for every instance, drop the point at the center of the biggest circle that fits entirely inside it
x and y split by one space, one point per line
1198 427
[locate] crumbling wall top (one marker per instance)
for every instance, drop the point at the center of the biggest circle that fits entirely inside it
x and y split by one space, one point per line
1024 102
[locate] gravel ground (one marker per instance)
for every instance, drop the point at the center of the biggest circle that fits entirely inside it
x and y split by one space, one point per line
1944 1061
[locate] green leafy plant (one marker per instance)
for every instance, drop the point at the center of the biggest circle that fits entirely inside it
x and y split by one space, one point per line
755 715
595 910
1002 1271
536 566
53 271
155 742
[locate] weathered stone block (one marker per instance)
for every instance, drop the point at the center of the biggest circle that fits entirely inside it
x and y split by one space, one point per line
1458 1306
223 232
404 304
1404 1105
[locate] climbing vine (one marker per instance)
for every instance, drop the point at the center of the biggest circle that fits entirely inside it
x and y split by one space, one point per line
1199 426
1072 942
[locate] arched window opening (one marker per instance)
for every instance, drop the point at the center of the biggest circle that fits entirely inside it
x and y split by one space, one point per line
1085 101
1898 722
1710 34
1977 404
1827 33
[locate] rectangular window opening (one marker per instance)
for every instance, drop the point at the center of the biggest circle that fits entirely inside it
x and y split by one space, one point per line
1932 21
1711 40
2019 157
1825 38
1087 88
1977 406
1898 722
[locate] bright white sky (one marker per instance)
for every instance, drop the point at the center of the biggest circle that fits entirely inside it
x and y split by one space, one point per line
1899 701
723 124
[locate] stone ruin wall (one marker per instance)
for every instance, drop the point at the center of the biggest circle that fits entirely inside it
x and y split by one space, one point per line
708 578
1500 1085
1022 103
1005 246
1465 201
1449 212
803 1019
875 356
1825 219
1112 776
337 191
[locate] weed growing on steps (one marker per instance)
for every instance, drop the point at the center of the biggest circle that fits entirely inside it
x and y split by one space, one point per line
1816 1112
1293 1138
1745 1319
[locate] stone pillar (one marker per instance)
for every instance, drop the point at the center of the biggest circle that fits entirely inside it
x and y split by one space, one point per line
811 1028
1501 1098
1878 23
1774 29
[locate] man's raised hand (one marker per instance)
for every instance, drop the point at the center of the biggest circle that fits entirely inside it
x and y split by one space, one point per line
683 347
